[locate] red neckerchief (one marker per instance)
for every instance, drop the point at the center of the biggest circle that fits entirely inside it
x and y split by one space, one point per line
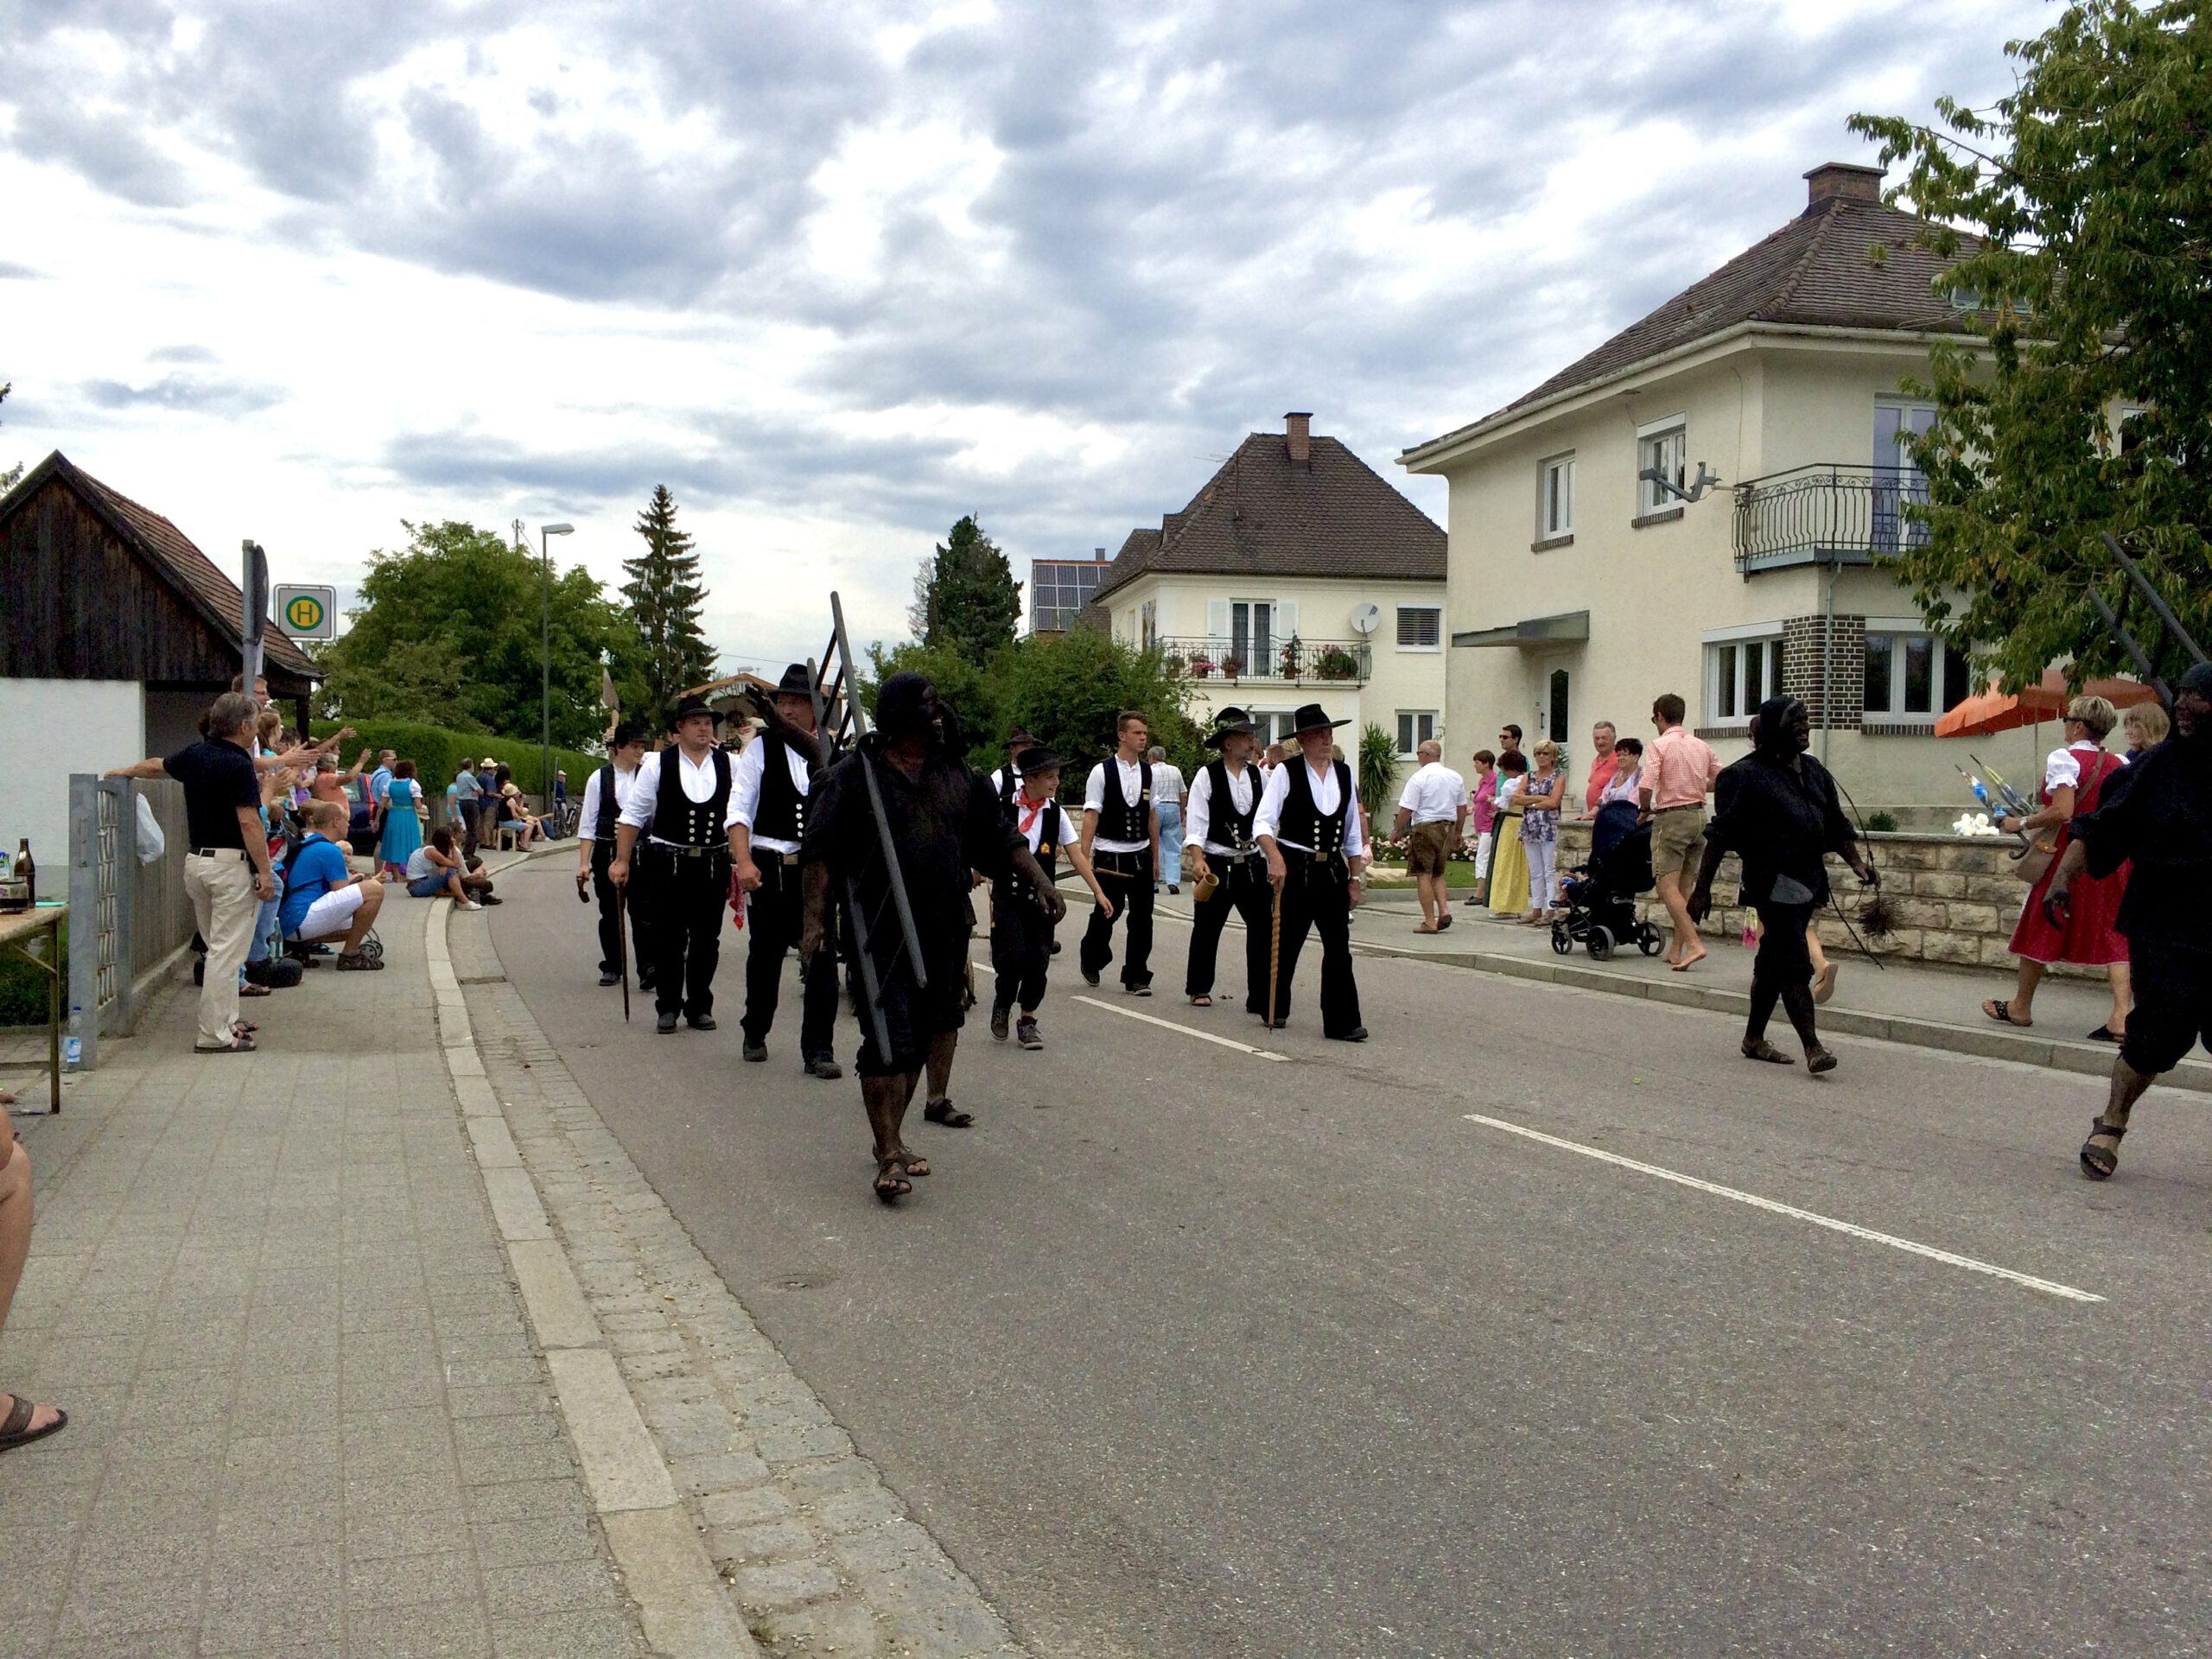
1028 812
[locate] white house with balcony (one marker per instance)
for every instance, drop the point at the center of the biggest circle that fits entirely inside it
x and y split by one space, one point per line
1296 574
1581 587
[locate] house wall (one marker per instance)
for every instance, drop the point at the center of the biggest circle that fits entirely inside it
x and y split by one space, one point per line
49 729
1408 679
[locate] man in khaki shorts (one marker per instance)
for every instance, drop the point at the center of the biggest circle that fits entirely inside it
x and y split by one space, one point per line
1678 773
1434 805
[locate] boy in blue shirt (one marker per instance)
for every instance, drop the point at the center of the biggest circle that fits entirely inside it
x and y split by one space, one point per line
323 900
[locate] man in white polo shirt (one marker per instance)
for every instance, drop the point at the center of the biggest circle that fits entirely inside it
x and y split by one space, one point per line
1434 809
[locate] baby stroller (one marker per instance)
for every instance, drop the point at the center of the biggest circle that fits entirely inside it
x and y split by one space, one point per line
1601 894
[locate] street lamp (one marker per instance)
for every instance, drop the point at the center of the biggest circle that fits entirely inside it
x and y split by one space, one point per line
545 639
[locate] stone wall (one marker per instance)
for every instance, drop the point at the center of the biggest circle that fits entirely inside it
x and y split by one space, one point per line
1955 899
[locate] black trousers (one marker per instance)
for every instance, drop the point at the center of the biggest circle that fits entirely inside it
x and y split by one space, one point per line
1317 895
1244 889
1127 878
686 897
613 902
774 916
1782 971
1022 948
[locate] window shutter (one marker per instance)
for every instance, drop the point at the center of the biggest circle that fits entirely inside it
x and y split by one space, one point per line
1217 627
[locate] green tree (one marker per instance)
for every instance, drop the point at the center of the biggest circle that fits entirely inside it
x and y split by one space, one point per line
664 597
969 602
447 632
9 475
2080 210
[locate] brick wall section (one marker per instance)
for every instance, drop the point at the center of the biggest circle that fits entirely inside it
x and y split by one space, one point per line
1955 898
1804 643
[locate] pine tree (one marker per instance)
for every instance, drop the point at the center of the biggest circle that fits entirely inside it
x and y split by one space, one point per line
972 602
664 597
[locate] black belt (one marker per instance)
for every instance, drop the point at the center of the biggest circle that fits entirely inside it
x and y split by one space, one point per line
666 850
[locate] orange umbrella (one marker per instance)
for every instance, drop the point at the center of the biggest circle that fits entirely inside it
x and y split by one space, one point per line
1992 710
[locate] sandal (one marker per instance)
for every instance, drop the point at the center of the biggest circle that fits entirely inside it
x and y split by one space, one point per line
1819 1059
15 1428
249 988
943 1111
358 962
2002 1013
243 1027
913 1162
1201 1001
2099 1162
236 1046
2107 1034
1760 1049
891 1182
1824 985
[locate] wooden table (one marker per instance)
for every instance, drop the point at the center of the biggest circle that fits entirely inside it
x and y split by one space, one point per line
18 930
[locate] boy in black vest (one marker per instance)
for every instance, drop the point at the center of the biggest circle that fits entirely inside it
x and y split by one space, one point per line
768 801
1308 824
607 791
680 803
1229 870
1120 836
1021 932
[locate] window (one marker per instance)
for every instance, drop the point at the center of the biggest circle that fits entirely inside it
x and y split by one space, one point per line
1415 727
1274 725
1555 498
1898 481
1252 634
1659 449
1912 677
1148 623
1420 627
1739 675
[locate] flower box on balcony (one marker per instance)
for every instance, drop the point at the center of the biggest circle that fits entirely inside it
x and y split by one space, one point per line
1334 663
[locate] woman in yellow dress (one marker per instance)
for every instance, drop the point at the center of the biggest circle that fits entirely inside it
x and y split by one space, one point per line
1509 865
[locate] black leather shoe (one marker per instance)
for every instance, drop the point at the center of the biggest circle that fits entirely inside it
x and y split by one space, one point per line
756 1051
1357 1034
610 979
706 1022
1089 978
823 1066
665 1024
645 981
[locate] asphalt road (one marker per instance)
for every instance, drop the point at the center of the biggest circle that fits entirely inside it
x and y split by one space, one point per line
1186 1351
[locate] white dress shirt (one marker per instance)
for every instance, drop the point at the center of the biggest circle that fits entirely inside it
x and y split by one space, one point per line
1029 818
744 778
1134 777
1434 794
625 785
1197 813
1325 798
697 776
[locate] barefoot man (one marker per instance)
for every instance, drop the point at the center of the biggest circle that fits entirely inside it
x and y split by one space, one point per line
943 821
1678 770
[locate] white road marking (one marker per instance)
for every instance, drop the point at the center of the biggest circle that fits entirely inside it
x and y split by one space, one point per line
2048 1287
1203 1036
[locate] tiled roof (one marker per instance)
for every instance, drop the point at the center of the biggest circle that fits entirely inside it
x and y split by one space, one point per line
1265 515
1844 262
170 552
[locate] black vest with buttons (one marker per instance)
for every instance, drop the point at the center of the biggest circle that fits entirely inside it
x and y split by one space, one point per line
1047 850
679 819
1304 823
1119 818
1225 825
781 814
604 826
1009 785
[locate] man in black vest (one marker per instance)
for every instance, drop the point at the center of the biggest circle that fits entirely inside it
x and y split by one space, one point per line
1308 825
1005 781
680 803
1120 836
1228 868
607 791
768 800
1022 930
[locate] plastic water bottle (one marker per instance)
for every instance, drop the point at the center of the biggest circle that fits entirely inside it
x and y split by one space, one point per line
73 1045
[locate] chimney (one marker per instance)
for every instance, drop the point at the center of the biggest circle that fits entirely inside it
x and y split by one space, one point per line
1298 429
1099 555
1844 181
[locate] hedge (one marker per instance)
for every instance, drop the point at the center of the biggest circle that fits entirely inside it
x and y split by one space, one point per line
438 754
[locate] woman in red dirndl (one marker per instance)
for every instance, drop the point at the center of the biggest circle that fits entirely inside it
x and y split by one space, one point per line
2074 780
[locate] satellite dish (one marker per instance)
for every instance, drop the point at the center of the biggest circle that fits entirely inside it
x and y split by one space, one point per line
1364 617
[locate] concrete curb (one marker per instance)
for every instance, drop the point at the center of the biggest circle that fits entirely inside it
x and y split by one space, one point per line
1989 1043
681 1599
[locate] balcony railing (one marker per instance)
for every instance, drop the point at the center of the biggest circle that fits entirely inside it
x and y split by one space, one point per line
1293 661
1827 513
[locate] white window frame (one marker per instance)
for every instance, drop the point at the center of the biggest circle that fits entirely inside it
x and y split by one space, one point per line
1664 446
1898 630
1272 725
1416 730
1148 624
1736 645
1556 506
1436 611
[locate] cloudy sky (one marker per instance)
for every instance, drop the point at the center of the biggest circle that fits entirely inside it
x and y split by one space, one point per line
837 273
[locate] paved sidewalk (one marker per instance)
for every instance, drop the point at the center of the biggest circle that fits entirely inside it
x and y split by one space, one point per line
307 1414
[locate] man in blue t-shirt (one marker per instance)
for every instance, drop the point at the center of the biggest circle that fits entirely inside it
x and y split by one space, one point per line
323 900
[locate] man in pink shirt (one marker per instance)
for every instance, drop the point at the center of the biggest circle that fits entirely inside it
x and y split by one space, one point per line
1603 764
1678 773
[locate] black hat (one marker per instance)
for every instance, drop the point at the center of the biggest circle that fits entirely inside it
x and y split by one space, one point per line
1309 717
796 683
1034 760
1228 723
690 706
902 705
629 731
1019 738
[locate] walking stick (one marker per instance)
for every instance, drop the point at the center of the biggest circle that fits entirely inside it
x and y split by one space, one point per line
622 946
1275 958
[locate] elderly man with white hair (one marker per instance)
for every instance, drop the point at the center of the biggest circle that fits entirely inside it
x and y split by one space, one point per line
1434 807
